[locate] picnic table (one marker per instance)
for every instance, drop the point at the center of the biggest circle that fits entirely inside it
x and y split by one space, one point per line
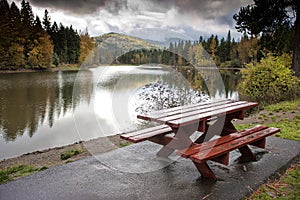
214 118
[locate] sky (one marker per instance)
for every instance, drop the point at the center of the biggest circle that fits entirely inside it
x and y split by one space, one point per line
147 19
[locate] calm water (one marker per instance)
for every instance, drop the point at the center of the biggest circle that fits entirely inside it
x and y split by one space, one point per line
44 110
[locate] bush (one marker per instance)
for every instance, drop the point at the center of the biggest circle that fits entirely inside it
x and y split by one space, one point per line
269 81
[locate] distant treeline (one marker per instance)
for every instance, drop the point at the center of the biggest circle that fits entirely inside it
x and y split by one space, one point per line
28 42
225 52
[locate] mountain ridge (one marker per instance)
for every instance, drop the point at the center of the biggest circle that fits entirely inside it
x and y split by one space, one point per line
124 43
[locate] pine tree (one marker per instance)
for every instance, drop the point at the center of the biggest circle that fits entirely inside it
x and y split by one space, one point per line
27 16
228 46
47 22
5 33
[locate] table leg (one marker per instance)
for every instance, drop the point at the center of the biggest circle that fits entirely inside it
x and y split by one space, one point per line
222 126
181 140
247 154
205 170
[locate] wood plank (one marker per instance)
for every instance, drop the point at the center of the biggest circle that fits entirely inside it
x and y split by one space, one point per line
232 145
144 131
212 143
183 109
199 111
204 116
178 109
142 137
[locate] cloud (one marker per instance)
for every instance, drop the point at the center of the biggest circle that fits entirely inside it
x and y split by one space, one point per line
79 7
186 17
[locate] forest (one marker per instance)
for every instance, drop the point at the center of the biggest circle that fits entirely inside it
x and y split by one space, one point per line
225 52
26 42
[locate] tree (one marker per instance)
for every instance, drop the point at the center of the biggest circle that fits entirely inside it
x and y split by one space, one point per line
47 22
27 16
269 16
87 45
212 48
228 47
41 53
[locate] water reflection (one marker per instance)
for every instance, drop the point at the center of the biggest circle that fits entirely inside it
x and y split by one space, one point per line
30 100
38 110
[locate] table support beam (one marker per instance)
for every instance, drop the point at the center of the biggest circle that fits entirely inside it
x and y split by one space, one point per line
247 154
205 170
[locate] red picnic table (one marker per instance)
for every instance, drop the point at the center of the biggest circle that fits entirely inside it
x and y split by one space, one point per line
211 119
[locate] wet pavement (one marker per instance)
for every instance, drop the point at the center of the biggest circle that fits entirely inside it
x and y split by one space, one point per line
134 172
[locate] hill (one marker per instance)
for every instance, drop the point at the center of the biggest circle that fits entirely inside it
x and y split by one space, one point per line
113 45
123 43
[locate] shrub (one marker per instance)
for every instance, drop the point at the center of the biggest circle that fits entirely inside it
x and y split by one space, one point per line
269 81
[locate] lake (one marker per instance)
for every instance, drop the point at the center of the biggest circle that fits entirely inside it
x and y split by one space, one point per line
50 109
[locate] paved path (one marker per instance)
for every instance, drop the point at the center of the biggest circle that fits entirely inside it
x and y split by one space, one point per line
109 176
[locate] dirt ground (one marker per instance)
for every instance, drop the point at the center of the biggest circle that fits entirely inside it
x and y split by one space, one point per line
51 157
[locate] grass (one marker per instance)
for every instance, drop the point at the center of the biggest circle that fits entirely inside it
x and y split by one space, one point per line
283 106
17 171
288 129
124 144
70 153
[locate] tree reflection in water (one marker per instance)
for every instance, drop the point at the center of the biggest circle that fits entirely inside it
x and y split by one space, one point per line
31 100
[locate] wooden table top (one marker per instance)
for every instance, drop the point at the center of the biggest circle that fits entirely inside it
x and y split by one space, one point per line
189 114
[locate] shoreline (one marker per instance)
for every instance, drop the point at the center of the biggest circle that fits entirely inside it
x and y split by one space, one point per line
51 69
51 157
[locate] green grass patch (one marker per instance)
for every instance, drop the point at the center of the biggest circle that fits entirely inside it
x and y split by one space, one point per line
243 126
283 106
69 153
288 129
17 171
125 144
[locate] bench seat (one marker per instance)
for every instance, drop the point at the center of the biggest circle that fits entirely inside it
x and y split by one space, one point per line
218 150
211 149
145 134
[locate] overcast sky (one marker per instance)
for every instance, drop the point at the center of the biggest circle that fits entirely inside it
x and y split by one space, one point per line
149 19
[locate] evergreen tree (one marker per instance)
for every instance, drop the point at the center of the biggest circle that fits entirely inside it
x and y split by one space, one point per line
228 47
221 51
27 16
5 33
47 23
269 17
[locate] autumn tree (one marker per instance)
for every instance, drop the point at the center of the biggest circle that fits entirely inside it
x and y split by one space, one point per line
87 45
